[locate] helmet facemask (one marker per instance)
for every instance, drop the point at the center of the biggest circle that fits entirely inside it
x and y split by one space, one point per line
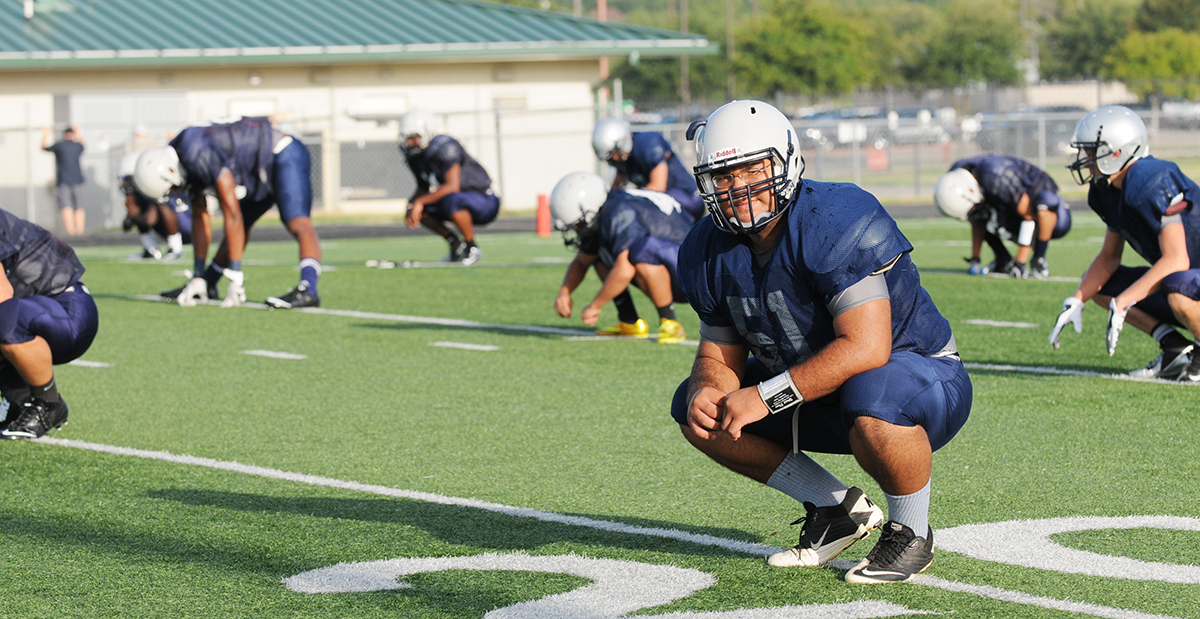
737 181
574 233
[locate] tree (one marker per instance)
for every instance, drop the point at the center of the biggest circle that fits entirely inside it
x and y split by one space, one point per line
1083 34
809 47
1156 15
1158 64
970 45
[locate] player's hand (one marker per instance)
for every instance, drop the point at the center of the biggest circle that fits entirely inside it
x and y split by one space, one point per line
1072 312
590 315
1116 321
235 294
195 288
563 305
704 412
413 217
127 224
742 407
1016 270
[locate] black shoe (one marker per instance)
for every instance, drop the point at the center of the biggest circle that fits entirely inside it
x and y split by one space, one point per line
36 418
1168 365
457 250
1040 270
830 530
171 295
151 254
897 556
298 297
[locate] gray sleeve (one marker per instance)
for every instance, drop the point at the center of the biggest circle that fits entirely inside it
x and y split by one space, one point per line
727 336
869 288
1171 219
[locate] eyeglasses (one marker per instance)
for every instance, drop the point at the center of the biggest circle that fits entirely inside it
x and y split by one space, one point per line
749 176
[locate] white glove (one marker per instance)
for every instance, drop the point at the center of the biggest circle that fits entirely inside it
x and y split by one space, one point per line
1116 320
196 287
1072 312
235 294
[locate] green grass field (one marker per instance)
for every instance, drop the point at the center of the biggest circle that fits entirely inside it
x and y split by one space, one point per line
449 432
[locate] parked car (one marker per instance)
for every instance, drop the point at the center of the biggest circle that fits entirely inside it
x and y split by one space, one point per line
1018 134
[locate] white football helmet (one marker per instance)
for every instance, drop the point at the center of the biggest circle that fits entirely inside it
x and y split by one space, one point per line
1115 135
421 123
574 204
738 133
612 136
956 193
158 170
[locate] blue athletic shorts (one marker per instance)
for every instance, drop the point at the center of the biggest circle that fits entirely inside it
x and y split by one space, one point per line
1186 283
689 201
483 206
292 187
653 250
67 322
910 390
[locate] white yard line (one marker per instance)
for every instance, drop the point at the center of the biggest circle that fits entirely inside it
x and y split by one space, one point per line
273 354
465 346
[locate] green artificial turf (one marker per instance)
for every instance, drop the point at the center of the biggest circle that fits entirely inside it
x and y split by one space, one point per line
549 422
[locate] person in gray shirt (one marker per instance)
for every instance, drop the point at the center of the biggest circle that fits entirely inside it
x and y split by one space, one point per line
69 177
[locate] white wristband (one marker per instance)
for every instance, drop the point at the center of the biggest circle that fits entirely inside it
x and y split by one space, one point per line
1025 232
780 393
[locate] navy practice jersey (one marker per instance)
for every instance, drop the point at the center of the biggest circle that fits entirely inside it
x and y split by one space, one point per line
244 146
1003 180
35 262
649 150
628 218
1137 209
834 235
430 165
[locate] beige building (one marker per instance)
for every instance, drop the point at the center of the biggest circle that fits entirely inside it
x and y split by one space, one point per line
519 88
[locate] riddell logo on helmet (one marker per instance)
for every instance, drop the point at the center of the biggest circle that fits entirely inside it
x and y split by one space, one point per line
727 152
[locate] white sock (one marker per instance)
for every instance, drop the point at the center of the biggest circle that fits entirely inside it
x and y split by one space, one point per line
149 241
801 478
175 242
911 510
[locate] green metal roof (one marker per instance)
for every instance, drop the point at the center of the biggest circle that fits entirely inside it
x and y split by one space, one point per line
130 33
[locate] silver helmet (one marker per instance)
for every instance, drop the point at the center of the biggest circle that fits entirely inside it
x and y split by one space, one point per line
1108 139
735 135
956 193
574 204
158 170
612 136
420 123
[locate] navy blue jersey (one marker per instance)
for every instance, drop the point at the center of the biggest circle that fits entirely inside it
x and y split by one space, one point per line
1003 180
628 218
241 145
1137 209
35 262
649 150
444 152
834 235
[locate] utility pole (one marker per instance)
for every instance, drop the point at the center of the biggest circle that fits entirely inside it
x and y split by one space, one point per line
731 79
577 8
685 82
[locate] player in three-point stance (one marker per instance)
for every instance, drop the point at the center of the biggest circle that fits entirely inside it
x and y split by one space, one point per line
815 335
47 317
1005 196
646 160
451 187
169 218
1149 204
249 166
628 237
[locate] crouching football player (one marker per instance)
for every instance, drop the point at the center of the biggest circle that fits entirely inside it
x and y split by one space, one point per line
47 317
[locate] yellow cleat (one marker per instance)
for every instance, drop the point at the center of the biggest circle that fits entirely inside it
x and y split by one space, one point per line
670 331
625 329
